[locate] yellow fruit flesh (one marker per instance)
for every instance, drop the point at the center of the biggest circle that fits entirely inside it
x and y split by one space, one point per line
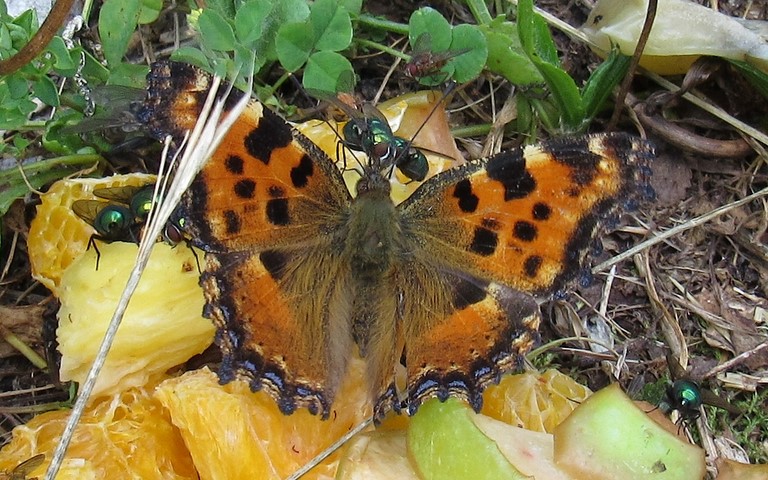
163 325
125 436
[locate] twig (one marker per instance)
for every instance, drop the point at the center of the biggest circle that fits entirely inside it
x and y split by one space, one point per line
694 222
626 83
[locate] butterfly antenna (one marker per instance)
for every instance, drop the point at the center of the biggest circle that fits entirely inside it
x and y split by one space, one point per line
331 449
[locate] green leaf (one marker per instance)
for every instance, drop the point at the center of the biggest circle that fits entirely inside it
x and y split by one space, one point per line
60 143
506 56
281 13
429 24
191 55
293 45
117 22
13 187
215 32
17 86
468 65
444 442
94 71
323 71
249 21
535 35
225 8
46 91
354 7
150 10
28 23
538 45
14 115
6 43
128 74
62 57
602 82
331 25
565 94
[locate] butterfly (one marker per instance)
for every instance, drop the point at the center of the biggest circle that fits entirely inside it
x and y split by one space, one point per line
299 273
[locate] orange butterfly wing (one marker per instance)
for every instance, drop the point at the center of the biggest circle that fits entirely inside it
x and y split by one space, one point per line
262 208
495 232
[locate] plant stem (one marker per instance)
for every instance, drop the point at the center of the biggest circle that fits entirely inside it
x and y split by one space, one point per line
381 24
479 11
66 160
471 131
383 48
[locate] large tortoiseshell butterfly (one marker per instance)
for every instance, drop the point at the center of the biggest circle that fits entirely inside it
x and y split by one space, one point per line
299 272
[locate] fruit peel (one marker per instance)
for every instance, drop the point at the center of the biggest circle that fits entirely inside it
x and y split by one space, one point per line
232 432
608 437
124 436
444 442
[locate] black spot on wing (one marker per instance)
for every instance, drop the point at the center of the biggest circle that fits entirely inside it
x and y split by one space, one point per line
234 164
271 133
525 231
277 211
508 168
532 265
541 211
232 222
245 188
468 201
484 241
300 174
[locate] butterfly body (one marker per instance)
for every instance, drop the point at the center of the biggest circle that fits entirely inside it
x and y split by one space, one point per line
300 274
